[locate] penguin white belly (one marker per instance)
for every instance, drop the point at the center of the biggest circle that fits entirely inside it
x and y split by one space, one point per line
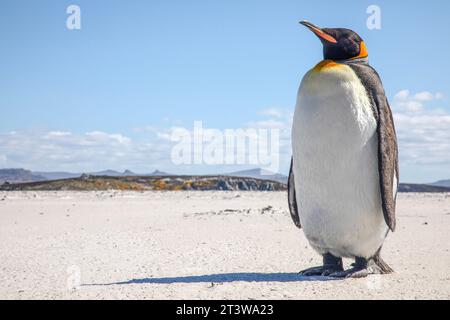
335 152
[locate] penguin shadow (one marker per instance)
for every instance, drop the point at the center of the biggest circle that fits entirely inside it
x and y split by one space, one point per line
222 278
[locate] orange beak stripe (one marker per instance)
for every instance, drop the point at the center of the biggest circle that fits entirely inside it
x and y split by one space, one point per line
319 32
322 34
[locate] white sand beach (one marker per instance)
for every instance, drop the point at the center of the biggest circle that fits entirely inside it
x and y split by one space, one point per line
200 245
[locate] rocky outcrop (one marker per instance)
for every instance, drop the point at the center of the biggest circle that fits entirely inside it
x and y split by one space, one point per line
158 183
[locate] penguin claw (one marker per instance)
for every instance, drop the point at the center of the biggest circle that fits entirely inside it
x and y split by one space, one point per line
360 269
357 272
331 264
318 271
314 271
351 273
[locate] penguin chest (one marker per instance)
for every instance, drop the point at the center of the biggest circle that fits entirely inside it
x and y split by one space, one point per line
335 150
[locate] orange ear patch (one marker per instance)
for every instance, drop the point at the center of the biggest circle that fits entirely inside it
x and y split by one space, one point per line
362 51
326 64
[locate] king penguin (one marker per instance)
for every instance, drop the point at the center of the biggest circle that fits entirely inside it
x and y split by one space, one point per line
343 179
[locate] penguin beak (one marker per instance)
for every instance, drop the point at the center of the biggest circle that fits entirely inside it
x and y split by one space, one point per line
318 31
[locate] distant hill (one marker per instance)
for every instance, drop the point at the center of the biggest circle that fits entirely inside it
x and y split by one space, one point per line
158 173
57 175
110 173
412 187
441 183
18 175
91 182
259 173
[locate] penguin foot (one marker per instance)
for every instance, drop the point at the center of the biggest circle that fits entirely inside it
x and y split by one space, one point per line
319 271
352 273
360 269
331 265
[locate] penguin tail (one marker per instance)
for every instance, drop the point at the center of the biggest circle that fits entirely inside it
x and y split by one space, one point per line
380 263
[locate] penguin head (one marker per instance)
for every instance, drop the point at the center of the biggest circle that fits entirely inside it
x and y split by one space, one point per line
339 43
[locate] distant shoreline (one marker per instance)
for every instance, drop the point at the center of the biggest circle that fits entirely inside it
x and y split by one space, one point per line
149 183
88 182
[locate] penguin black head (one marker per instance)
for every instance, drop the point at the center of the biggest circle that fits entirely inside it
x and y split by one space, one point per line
339 43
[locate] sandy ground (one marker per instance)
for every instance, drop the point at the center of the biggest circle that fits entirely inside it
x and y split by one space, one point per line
200 245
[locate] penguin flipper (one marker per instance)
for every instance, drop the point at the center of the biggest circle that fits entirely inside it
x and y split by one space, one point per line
387 159
387 141
293 208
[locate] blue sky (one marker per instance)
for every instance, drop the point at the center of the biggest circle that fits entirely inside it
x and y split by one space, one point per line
139 68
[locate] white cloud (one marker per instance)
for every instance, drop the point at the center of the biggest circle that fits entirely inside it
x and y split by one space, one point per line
423 135
405 102
148 149
280 119
96 137
424 96
55 134
80 152
402 95
273 112
439 96
3 159
423 132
